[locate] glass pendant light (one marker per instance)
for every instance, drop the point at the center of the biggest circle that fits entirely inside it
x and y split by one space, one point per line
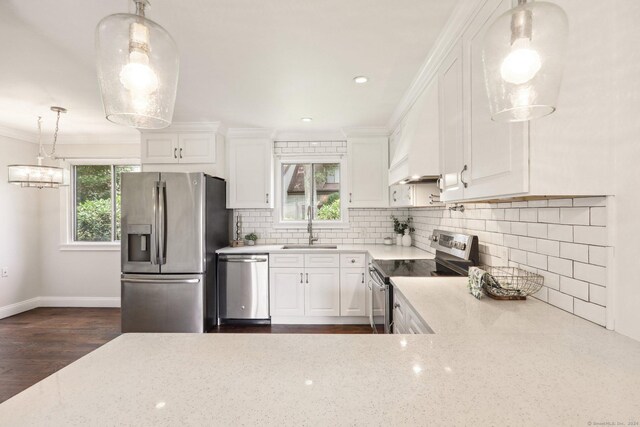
523 61
137 68
40 176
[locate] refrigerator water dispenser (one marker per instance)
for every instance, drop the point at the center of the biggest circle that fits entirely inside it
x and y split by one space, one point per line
139 243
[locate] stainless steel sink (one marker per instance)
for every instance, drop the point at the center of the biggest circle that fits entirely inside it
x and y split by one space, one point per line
310 247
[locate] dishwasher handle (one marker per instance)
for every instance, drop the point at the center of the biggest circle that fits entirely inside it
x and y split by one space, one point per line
242 260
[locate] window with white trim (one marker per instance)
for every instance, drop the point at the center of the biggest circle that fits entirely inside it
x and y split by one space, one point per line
95 201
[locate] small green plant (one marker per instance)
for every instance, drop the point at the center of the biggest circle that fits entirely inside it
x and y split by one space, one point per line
251 236
400 226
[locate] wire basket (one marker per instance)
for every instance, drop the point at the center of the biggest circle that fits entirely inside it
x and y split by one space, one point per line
511 282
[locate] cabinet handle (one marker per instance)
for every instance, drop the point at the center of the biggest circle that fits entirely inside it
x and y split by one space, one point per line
180 152
394 195
350 198
175 153
353 260
439 183
307 277
300 277
267 197
462 180
362 277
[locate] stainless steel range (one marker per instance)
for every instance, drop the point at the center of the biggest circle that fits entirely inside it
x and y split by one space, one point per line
455 253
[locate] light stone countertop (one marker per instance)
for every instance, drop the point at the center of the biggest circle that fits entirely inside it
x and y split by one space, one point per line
375 251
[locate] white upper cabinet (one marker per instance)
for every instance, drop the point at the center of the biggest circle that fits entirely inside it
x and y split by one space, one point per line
368 164
185 147
451 131
250 166
415 142
496 154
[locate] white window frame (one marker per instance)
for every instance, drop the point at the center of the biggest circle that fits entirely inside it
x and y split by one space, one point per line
67 243
297 158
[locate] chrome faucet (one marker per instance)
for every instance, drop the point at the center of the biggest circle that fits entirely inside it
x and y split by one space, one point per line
310 227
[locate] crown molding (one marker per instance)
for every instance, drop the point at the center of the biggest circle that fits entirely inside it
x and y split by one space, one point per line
251 133
365 131
19 135
298 135
215 127
459 20
93 139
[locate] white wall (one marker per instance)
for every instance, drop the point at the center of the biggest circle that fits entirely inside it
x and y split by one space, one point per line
624 219
19 232
78 277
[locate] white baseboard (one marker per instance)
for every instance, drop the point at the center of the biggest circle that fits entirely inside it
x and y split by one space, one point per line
329 320
19 307
79 302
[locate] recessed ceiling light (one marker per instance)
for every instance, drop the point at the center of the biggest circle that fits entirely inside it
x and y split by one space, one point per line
306 119
361 79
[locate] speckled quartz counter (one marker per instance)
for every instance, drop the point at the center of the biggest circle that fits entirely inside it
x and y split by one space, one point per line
227 379
375 251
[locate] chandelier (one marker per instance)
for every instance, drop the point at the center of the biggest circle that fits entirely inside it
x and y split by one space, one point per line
137 64
40 176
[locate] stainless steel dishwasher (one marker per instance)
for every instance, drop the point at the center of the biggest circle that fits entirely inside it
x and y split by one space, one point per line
243 288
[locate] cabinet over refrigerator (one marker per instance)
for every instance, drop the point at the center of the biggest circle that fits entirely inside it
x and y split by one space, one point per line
172 224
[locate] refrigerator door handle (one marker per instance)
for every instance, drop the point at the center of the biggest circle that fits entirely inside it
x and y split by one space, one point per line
166 281
162 223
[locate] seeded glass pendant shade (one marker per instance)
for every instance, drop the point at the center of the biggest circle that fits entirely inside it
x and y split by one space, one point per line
137 63
523 61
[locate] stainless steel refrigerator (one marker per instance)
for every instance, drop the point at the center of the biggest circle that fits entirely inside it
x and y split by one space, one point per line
172 224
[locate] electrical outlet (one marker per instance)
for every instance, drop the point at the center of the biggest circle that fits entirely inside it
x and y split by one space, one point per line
4 272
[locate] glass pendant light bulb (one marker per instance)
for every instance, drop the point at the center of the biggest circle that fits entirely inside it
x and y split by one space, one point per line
521 64
523 59
137 69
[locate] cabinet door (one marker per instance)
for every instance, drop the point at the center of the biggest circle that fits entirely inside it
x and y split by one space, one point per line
159 148
496 154
368 170
451 138
286 291
197 147
353 297
322 294
399 195
250 173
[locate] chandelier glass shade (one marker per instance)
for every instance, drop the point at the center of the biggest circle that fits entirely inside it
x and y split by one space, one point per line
137 64
523 58
40 176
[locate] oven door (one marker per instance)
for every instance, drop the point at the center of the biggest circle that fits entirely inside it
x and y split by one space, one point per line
380 304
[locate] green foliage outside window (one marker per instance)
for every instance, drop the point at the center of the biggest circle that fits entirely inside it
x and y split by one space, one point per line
97 218
330 210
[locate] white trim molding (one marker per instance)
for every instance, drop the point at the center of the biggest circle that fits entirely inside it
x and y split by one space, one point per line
460 18
79 302
251 133
365 131
19 135
19 307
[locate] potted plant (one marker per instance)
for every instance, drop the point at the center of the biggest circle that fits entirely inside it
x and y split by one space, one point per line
251 239
402 230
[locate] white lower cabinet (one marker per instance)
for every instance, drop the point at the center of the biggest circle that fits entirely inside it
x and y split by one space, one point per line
322 292
405 319
286 292
353 295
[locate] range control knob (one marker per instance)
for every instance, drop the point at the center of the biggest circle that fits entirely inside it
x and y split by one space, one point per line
434 238
460 246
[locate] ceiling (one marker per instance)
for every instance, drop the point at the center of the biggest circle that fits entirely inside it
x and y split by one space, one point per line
246 63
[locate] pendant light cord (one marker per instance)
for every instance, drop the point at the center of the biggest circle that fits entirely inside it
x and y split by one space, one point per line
42 153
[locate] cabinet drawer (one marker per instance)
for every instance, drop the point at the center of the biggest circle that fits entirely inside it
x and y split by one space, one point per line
321 260
414 323
352 260
286 260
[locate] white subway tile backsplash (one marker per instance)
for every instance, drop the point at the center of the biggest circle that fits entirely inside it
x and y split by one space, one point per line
560 232
527 244
598 255
548 247
592 273
549 215
537 230
590 201
599 216
529 215
598 294
560 300
536 260
561 266
512 214
560 202
592 312
574 251
574 287
574 216
590 235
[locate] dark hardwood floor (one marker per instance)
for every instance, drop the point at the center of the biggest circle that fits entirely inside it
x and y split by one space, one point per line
39 342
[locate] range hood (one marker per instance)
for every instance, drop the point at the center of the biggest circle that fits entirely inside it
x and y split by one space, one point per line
415 144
